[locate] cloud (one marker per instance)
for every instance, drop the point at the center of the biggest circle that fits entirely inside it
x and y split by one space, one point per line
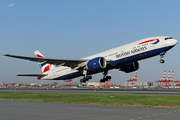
11 5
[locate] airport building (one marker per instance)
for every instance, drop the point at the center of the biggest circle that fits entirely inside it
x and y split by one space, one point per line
137 84
94 84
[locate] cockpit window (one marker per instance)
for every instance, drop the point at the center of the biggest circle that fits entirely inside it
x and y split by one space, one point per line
168 38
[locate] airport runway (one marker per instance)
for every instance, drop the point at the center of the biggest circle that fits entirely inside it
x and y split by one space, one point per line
56 111
103 91
16 110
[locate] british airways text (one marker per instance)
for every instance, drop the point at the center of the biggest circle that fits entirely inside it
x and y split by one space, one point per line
130 52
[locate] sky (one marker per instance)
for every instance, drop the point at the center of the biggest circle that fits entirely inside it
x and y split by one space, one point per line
74 29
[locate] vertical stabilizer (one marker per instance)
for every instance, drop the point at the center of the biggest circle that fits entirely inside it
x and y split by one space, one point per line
43 65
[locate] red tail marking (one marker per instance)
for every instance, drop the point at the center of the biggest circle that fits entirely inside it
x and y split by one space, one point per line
39 56
47 68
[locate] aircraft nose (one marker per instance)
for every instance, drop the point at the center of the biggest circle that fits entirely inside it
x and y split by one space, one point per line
172 42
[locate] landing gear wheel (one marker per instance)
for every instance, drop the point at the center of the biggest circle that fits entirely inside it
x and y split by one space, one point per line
102 80
108 77
85 79
88 77
161 61
105 79
81 80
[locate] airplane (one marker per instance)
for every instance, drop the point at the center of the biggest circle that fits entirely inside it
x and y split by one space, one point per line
124 58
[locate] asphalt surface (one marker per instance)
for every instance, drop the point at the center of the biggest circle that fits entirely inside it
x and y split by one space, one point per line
103 91
16 110
12 110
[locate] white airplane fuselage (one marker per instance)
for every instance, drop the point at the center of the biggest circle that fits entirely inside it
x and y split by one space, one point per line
117 57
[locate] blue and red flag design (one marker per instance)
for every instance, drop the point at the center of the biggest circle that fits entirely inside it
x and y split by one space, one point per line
155 41
47 66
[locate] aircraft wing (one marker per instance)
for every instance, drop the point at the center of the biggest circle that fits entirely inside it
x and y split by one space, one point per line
69 63
32 75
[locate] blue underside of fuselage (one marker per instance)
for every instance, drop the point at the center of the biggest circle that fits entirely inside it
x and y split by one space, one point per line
118 63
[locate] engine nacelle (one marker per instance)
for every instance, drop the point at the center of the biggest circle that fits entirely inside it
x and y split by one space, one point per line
130 67
96 64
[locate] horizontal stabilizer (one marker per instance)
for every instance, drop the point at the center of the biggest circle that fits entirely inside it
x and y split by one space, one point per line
32 75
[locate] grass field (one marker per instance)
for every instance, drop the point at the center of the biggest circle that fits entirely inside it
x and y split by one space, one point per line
151 101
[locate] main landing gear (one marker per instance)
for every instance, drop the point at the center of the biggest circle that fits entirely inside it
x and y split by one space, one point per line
86 77
105 78
162 55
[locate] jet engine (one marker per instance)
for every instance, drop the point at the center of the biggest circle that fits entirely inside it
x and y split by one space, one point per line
96 64
130 67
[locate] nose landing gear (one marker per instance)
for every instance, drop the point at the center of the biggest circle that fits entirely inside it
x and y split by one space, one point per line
161 61
162 55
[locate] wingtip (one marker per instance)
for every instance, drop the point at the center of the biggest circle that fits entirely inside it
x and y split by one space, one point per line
6 55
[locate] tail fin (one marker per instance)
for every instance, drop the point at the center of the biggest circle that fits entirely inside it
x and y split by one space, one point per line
44 66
